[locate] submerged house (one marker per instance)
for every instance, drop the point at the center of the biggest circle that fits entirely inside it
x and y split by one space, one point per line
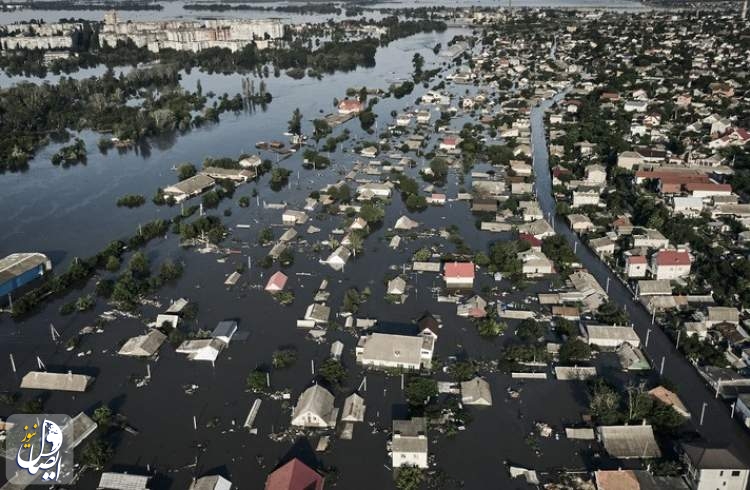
409 443
476 391
315 409
294 475
354 409
201 349
381 350
42 380
143 345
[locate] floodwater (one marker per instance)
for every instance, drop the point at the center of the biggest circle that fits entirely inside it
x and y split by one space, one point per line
175 10
68 202
70 212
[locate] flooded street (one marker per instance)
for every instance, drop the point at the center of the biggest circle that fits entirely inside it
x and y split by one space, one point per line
76 206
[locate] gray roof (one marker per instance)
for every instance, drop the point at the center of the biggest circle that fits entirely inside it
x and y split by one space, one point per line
476 392
402 349
655 286
80 427
211 482
225 328
723 314
143 345
16 264
712 458
626 334
410 436
40 380
629 441
123 481
354 409
315 399
192 185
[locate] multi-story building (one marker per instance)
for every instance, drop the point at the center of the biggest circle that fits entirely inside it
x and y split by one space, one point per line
184 35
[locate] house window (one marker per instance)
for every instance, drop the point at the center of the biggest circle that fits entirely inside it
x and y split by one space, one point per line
736 473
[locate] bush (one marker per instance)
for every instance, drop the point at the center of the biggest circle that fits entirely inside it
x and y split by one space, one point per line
131 201
283 358
489 327
256 381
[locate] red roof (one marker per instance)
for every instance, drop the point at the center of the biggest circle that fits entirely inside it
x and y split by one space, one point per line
294 475
672 257
459 270
276 282
449 141
636 259
531 239
350 105
707 186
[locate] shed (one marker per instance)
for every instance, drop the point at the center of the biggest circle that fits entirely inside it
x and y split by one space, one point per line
354 409
123 481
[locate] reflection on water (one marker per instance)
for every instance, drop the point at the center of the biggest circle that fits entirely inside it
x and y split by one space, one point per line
175 10
68 204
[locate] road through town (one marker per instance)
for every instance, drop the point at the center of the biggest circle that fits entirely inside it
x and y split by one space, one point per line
718 427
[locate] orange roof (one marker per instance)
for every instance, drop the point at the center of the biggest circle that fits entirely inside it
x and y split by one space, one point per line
636 259
672 257
459 270
617 480
668 398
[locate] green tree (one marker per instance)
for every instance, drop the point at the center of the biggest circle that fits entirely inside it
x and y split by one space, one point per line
256 381
489 327
372 213
113 263
102 416
418 390
295 123
332 371
96 454
611 314
574 350
186 170
283 358
409 478
529 330
139 265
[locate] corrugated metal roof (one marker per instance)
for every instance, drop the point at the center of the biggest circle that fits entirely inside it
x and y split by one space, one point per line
16 264
123 481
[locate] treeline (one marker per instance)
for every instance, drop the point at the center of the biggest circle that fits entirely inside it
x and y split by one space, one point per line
76 5
33 113
136 280
81 270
